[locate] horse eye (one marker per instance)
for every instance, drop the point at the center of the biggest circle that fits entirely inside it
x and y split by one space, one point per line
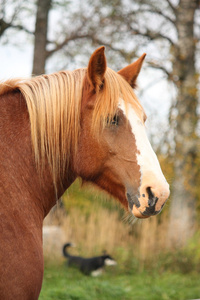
113 121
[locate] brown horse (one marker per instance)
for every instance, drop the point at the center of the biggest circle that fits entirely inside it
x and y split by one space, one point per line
54 128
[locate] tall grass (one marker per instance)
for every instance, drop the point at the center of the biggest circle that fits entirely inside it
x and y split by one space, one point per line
104 230
96 226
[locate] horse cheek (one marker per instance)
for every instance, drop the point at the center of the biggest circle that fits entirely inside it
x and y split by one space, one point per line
90 158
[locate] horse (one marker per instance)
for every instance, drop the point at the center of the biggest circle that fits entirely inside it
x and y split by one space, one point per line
86 123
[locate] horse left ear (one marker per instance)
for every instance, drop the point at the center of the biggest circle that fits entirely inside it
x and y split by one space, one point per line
97 68
131 72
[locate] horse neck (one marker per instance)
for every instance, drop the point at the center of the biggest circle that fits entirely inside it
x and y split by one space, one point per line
22 184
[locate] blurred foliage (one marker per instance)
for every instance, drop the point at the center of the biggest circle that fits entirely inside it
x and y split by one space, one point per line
86 197
191 162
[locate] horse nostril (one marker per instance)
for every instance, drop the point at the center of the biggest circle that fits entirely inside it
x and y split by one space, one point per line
132 200
152 199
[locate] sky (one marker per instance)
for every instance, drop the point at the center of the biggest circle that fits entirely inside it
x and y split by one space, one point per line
15 62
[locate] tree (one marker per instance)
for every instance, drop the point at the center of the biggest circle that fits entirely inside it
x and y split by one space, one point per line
66 30
183 204
11 16
40 44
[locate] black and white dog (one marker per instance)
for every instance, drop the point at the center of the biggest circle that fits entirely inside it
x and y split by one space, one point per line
92 265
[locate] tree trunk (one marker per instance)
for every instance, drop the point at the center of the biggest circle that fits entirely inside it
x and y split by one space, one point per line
183 200
43 8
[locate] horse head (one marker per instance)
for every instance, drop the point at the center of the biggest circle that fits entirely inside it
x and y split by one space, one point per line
113 151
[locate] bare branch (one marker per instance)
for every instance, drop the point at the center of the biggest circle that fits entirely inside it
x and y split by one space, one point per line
160 67
151 34
20 27
147 2
58 47
155 10
171 6
4 26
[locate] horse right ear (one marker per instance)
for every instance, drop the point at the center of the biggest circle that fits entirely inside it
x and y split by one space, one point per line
131 72
97 68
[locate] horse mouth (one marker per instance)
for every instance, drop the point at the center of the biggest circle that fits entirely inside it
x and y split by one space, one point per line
144 211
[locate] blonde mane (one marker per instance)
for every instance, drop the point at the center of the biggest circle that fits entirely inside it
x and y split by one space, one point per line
54 106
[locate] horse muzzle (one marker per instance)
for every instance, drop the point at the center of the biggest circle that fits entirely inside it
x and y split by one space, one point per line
150 200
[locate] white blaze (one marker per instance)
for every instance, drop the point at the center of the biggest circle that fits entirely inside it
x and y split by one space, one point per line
146 158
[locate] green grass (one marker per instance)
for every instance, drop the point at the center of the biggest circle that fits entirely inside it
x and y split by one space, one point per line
62 283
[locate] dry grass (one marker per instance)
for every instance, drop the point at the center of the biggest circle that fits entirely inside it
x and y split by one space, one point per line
95 225
102 229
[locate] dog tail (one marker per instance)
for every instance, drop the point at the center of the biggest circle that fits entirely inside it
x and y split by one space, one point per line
65 253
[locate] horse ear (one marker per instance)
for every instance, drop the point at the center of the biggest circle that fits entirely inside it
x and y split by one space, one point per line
131 72
96 68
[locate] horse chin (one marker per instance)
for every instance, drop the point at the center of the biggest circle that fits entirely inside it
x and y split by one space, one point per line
135 211
148 212
134 206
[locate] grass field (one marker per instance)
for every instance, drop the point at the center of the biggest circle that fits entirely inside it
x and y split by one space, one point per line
62 283
148 269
